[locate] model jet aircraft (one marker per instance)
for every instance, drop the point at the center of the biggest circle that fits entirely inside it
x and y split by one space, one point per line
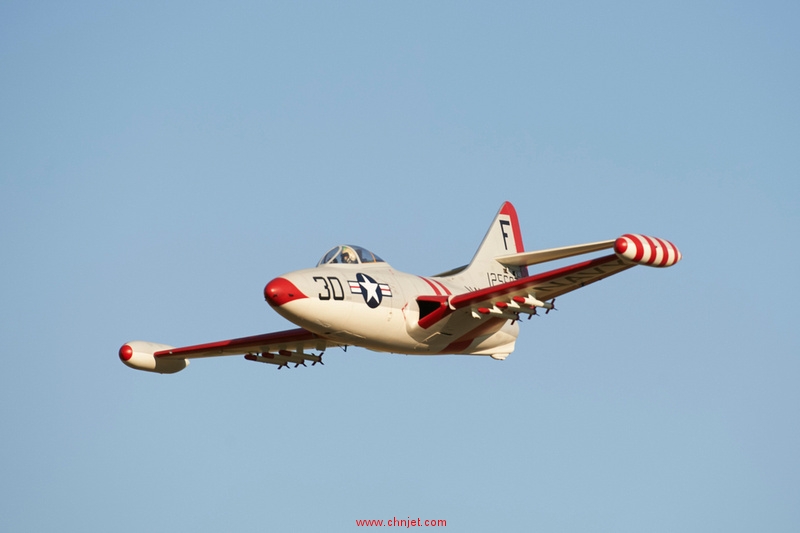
353 298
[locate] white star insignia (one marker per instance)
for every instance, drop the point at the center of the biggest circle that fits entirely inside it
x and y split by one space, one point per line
371 288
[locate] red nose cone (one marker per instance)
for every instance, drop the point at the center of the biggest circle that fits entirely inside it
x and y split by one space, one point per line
280 291
125 353
620 245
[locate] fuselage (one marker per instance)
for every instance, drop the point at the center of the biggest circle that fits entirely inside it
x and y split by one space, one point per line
376 307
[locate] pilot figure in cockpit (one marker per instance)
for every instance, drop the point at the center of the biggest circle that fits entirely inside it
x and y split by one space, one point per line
348 255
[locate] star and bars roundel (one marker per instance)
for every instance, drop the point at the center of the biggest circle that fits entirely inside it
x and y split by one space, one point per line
372 291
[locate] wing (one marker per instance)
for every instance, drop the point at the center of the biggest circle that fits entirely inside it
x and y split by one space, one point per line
525 294
279 348
552 254
532 291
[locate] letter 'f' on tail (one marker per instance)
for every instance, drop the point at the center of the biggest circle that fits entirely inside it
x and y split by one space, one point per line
503 238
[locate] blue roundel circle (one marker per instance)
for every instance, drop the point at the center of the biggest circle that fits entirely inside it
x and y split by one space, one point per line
370 290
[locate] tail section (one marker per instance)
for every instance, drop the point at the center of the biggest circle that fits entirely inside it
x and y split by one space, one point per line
503 238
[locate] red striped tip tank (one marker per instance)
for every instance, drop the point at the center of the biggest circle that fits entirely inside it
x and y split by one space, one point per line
644 250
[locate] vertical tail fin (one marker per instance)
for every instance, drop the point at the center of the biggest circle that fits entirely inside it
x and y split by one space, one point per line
503 238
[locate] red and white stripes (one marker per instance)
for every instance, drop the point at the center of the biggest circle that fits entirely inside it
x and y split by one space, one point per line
644 250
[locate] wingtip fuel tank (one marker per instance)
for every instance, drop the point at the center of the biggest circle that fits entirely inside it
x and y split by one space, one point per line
141 356
644 250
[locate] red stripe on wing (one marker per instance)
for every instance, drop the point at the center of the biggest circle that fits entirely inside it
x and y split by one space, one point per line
240 345
468 298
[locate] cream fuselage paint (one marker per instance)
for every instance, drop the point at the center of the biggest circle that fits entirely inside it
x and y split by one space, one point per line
375 306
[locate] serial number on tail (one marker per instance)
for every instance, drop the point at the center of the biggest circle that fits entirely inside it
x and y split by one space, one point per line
497 278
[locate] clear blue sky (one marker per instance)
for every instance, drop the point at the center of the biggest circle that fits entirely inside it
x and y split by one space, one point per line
159 164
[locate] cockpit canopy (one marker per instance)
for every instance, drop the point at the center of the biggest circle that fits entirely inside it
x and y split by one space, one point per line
349 254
